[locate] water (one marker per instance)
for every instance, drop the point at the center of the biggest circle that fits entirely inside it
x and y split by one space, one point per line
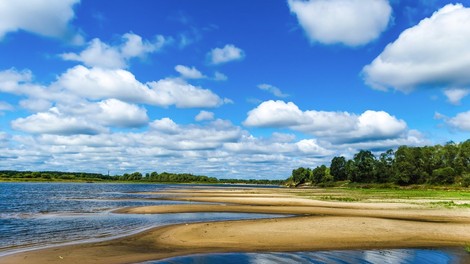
42 214
393 256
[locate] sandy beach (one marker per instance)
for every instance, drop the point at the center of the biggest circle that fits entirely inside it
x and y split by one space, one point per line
309 224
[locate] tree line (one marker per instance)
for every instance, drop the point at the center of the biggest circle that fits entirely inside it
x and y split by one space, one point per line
437 165
153 177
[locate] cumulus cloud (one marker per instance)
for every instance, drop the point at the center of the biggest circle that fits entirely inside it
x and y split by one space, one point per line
349 22
273 90
83 118
228 53
433 54
47 18
99 83
120 114
183 95
189 72
204 115
334 126
55 122
100 54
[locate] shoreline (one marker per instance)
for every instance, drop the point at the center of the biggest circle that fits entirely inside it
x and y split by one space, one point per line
314 225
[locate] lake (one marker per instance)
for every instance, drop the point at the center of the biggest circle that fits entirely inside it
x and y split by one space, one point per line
34 215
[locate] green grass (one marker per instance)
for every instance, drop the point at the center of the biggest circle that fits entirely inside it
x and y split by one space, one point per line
467 248
400 193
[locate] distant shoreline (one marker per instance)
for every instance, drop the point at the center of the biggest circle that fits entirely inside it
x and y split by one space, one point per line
314 225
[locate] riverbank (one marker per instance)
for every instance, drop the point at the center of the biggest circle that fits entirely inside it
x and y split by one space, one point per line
313 224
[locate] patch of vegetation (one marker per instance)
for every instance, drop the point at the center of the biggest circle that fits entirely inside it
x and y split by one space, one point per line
467 248
339 198
135 177
450 204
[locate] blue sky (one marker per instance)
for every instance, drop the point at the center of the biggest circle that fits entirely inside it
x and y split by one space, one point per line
242 89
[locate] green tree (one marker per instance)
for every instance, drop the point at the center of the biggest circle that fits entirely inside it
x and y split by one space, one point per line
301 175
364 171
384 166
338 168
319 174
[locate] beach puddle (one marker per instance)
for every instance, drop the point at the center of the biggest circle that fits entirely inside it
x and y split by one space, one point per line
390 256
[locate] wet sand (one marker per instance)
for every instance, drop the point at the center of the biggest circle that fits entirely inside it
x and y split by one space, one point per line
311 225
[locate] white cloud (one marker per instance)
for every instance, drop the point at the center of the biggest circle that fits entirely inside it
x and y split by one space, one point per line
454 95
433 54
274 114
98 83
461 121
83 118
36 104
183 95
189 72
4 106
49 18
100 54
120 114
55 122
204 115
349 22
228 53
273 90
333 126
218 76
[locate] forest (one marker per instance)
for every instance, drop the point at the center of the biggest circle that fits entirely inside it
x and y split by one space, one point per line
153 177
447 164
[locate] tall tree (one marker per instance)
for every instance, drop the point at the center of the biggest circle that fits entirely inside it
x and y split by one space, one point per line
338 168
364 162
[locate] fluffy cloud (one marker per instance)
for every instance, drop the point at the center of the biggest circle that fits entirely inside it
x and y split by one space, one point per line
228 53
182 94
273 90
47 18
434 53
334 126
99 83
120 114
55 122
83 118
454 95
100 54
204 115
189 72
460 122
350 22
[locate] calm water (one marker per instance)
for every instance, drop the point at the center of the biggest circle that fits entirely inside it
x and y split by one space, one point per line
394 256
42 214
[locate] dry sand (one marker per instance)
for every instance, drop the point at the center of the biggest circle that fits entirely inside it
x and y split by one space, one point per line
314 225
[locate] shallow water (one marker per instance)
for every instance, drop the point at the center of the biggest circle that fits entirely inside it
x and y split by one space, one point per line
42 214
392 256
